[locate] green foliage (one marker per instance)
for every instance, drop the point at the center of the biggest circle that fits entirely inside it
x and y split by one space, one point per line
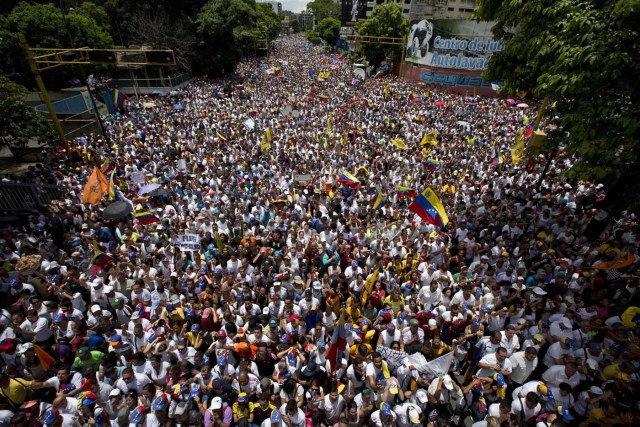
385 21
19 122
46 26
584 55
313 37
329 30
324 9
225 28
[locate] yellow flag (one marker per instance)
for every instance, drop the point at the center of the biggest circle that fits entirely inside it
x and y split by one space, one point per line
518 147
269 135
264 145
219 243
430 138
398 142
368 286
95 188
330 125
386 91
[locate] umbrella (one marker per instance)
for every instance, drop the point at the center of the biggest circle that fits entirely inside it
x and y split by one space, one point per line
439 103
158 192
149 104
174 93
295 113
511 100
300 122
117 210
522 105
148 188
178 107
462 123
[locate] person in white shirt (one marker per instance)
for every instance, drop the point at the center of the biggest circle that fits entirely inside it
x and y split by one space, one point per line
559 352
384 416
131 381
567 373
526 408
496 363
523 363
510 340
37 328
332 404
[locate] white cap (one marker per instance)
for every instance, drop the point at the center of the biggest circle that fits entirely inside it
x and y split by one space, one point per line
216 403
96 282
108 289
95 308
596 390
448 383
539 291
265 310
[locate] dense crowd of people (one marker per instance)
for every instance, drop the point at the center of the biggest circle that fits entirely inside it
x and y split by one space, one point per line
303 299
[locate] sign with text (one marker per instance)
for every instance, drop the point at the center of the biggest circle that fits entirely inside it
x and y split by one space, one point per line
138 177
451 45
188 242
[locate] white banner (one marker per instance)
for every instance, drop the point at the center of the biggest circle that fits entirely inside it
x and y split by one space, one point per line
138 177
437 367
394 358
188 242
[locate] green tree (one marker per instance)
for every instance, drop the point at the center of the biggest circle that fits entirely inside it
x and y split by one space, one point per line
224 27
583 55
324 9
329 30
313 37
386 21
46 26
20 122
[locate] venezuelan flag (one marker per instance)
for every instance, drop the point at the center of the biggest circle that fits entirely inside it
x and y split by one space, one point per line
100 260
496 160
222 137
429 207
323 98
432 164
252 113
349 180
118 98
405 192
528 131
146 218
377 200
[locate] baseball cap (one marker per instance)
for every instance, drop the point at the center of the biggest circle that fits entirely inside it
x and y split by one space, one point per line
137 415
539 291
275 416
243 398
385 409
564 411
393 388
447 382
216 403
499 378
51 416
596 390
414 322
568 342
115 340
115 392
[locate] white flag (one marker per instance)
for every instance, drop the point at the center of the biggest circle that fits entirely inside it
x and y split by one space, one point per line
250 124
494 86
437 367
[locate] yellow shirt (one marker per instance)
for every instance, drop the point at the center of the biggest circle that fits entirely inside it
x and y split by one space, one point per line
16 391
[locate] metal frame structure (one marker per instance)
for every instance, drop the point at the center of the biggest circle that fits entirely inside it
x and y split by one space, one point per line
48 58
42 59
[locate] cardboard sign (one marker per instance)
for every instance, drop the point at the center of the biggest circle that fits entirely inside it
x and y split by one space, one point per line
188 242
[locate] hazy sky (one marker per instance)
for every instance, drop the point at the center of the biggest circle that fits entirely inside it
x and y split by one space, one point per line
295 6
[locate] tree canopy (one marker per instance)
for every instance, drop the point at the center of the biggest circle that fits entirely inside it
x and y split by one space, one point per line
329 30
385 21
324 9
19 122
583 55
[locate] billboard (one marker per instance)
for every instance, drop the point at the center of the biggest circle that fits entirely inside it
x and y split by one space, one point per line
440 44
353 11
